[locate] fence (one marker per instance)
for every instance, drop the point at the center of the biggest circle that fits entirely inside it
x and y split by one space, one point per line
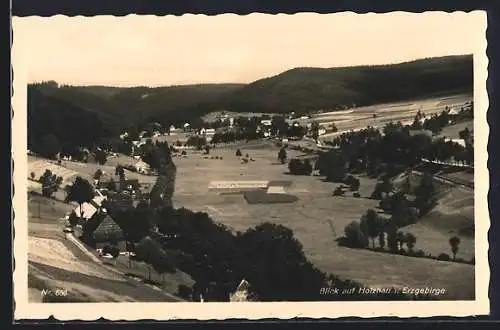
448 163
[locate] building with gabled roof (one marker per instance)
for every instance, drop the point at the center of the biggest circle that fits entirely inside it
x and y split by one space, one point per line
102 230
88 209
241 293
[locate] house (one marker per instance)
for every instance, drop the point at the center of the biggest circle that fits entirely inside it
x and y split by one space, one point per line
101 230
460 142
241 293
142 167
321 130
88 209
208 133
138 144
266 122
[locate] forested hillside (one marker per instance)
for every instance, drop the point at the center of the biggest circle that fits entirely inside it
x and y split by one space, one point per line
299 90
304 89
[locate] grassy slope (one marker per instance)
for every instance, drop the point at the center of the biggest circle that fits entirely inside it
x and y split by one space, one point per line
453 130
54 262
453 215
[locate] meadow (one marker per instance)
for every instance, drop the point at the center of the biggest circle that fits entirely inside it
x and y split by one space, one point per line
403 111
317 219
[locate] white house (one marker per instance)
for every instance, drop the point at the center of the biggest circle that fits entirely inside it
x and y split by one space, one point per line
457 141
89 208
138 144
142 167
241 293
266 122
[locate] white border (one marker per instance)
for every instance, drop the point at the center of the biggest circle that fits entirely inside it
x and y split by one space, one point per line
282 310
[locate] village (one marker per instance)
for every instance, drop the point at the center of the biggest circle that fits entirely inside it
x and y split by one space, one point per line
105 183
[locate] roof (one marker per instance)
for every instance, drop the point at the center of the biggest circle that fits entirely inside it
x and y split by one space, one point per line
103 228
241 292
89 208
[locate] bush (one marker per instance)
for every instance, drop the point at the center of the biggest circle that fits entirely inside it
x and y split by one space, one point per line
238 153
106 249
356 194
338 191
352 182
298 167
183 152
354 236
444 257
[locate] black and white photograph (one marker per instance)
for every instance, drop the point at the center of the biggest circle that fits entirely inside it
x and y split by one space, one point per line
315 164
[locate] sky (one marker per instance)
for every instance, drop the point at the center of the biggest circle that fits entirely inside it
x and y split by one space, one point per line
177 50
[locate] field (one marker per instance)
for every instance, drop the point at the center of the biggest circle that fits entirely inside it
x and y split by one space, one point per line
454 215
403 111
69 170
453 130
317 219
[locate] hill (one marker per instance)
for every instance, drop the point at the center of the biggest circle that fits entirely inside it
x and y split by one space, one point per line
48 115
305 89
454 212
299 90
126 106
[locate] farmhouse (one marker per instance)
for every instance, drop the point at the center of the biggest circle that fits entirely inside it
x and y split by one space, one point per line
142 167
102 230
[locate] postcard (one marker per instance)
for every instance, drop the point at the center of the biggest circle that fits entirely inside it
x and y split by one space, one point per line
250 167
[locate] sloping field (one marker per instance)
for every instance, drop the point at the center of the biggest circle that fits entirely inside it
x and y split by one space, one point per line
385 113
39 165
87 170
56 263
453 130
452 216
55 253
317 219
